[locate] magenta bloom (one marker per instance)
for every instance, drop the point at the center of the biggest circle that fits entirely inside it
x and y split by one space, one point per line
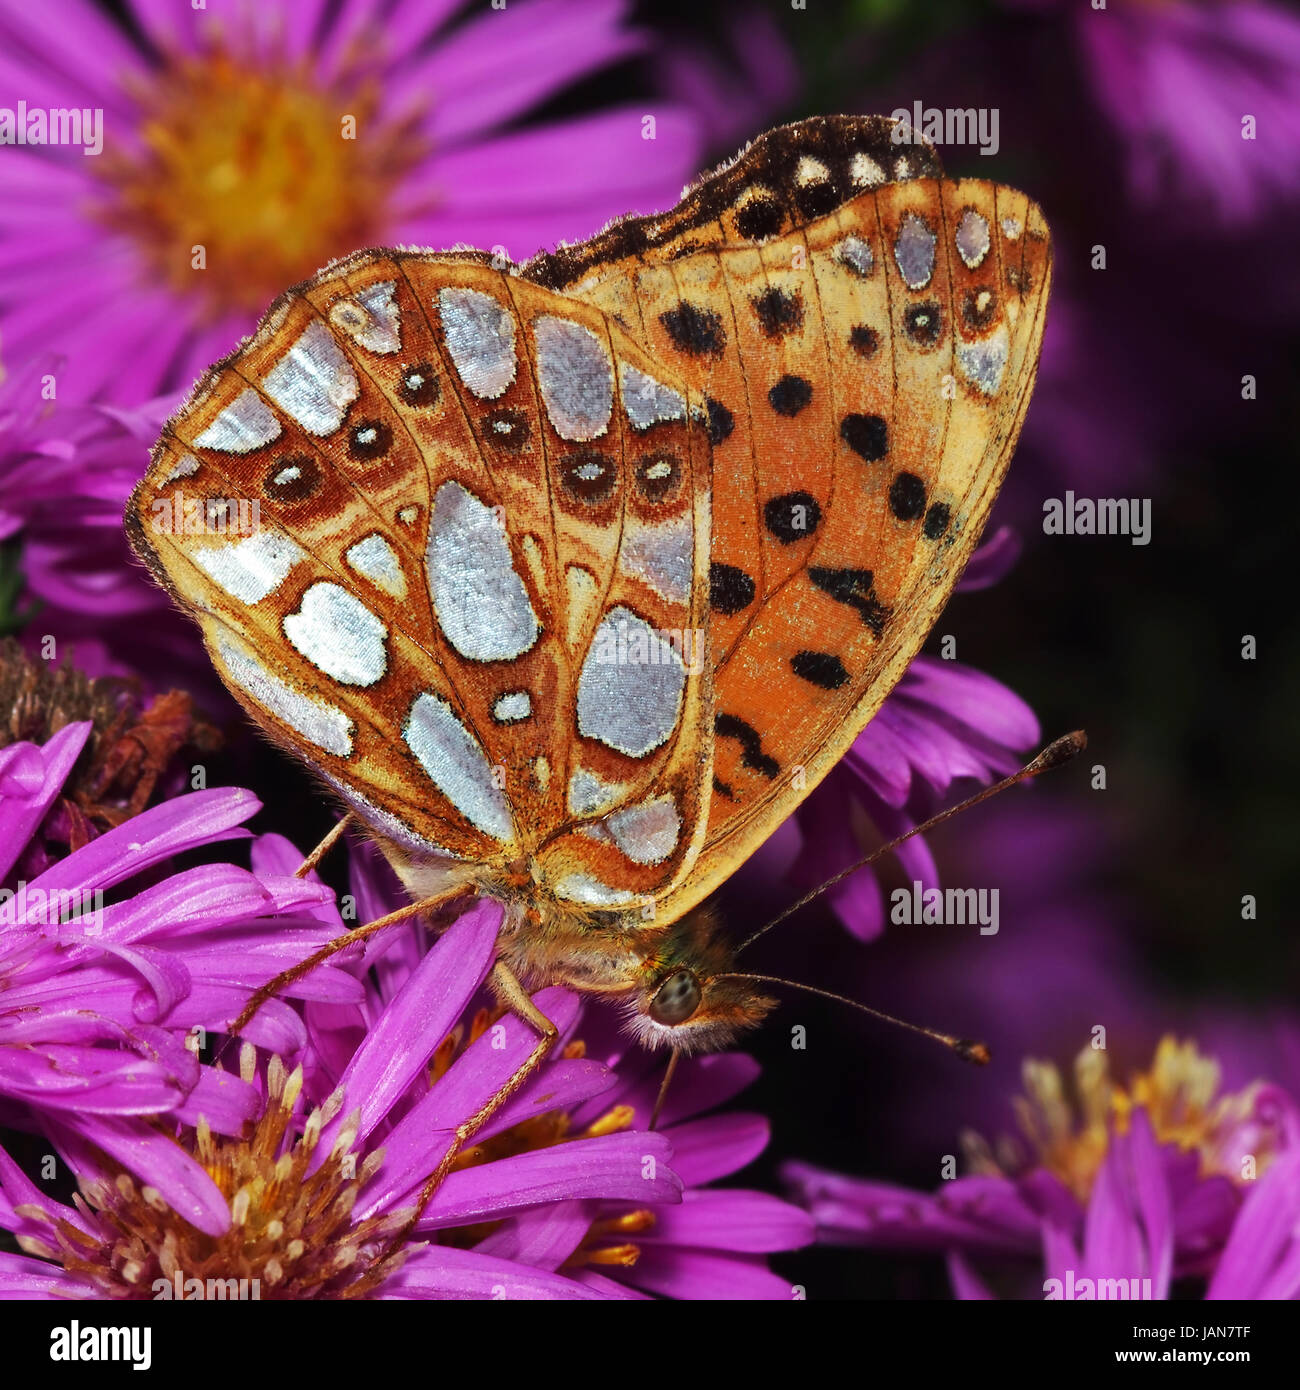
1165 1179
712 1245
241 151
65 474
541 1206
1178 81
101 991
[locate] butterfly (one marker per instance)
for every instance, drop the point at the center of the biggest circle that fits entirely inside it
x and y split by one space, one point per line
571 579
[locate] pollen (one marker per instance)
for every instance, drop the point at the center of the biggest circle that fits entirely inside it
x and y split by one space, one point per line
1180 1094
246 175
291 1233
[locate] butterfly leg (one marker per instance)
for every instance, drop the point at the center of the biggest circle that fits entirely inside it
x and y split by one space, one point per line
508 988
341 943
322 849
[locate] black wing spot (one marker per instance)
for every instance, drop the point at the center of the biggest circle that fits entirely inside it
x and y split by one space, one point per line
731 590
371 439
866 435
721 420
751 746
419 385
789 395
936 521
863 340
855 588
295 478
907 496
506 428
822 669
923 323
779 312
760 218
693 330
793 516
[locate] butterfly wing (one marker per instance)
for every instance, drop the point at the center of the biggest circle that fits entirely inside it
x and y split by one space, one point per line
445 497
866 335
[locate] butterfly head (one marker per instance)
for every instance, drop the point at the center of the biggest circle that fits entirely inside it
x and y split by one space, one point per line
688 998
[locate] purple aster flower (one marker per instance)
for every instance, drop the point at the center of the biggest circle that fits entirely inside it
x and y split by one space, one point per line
1167 1178
65 474
1179 80
540 1205
240 153
736 97
105 994
711 1246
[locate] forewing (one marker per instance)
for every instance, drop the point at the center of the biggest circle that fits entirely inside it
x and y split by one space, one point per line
419 454
866 342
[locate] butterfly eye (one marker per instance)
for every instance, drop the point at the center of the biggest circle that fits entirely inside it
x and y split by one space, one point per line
676 999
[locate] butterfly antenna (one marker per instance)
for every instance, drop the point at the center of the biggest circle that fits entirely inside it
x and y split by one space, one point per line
966 1048
669 1072
1058 752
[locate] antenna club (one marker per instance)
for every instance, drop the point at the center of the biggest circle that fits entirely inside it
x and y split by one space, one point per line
970 1051
1059 751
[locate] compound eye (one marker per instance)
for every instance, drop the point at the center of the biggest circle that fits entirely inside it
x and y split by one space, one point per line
676 999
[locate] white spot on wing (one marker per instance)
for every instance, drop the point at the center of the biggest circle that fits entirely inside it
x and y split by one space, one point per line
972 238
512 707
481 603
184 467
318 722
647 401
983 363
589 795
372 318
648 833
630 688
374 559
480 336
864 171
387 823
339 635
914 252
583 888
252 568
855 254
313 381
456 765
576 378
247 423
660 556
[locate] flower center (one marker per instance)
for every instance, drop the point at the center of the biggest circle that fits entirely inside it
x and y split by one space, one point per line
1180 1094
247 176
291 1233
